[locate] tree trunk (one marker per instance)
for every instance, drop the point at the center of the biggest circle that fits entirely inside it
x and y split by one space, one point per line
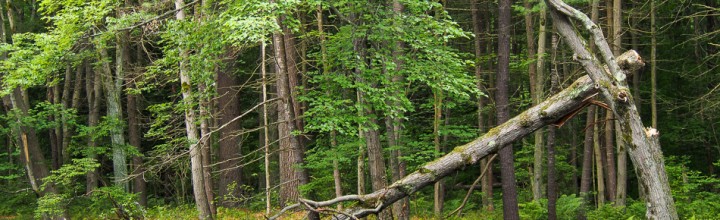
644 147
266 129
135 140
609 161
394 126
552 188
66 132
438 189
30 153
486 184
599 165
198 182
507 168
113 89
228 101
204 145
291 152
55 133
93 90
536 92
653 66
586 177
574 98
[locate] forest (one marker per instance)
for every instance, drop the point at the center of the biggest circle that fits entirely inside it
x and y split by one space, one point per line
359 109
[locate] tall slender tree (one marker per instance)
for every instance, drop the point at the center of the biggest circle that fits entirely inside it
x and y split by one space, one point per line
479 46
507 167
201 201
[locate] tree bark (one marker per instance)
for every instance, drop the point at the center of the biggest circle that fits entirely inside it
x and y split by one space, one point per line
291 152
566 102
507 168
550 111
228 101
552 187
536 92
485 185
93 90
644 147
609 161
65 101
599 165
653 66
586 177
438 189
394 126
201 201
135 140
113 88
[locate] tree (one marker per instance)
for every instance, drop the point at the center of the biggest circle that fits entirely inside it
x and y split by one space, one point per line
228 109
571 99
507 167
486 184
201 200
291 150
643 142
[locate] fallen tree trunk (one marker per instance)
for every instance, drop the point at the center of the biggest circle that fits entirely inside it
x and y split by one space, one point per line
554 110
548 112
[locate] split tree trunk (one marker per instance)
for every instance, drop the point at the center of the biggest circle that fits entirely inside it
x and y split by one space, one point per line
643 143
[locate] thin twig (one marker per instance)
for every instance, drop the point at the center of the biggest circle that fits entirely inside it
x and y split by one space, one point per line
472 187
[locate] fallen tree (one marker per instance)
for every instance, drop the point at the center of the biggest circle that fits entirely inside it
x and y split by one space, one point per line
555 110
643 143
607 79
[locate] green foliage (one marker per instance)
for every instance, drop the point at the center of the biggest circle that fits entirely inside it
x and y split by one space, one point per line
693 192
633 210
51 204
112 202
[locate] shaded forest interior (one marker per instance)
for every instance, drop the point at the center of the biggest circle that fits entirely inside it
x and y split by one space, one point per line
467 109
